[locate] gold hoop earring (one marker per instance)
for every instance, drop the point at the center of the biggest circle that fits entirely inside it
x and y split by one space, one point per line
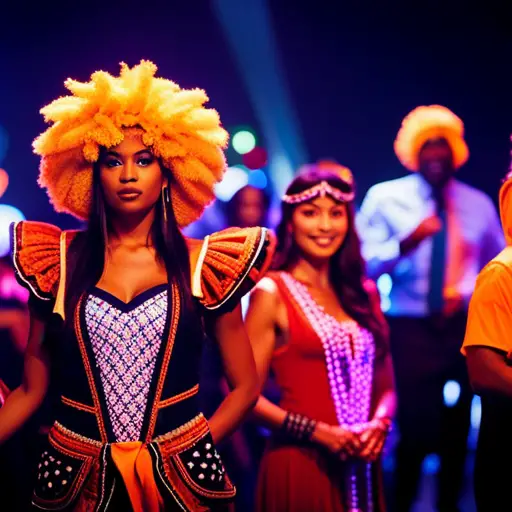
165 201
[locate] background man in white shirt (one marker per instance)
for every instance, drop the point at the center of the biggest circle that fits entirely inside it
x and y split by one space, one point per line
432 234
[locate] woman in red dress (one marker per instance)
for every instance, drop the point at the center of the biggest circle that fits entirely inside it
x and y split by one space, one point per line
316 324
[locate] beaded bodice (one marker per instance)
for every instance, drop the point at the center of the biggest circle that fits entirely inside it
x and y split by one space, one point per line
125 340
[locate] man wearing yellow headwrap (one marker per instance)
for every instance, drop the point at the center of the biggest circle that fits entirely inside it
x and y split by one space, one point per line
432 234
488 349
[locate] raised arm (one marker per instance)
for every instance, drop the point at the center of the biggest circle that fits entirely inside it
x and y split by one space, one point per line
380 247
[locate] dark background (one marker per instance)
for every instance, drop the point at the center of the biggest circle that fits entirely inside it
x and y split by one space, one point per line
353 72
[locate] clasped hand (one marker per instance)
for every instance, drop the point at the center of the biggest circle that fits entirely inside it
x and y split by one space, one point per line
363 441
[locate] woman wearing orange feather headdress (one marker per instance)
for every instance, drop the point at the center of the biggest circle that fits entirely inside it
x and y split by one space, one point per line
120 309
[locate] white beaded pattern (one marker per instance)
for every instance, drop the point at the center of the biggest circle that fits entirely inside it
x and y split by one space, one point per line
322 189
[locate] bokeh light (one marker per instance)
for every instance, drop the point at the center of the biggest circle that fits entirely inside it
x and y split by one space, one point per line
243 142
384 285
8 215
255 159
258 179
451 393
234 179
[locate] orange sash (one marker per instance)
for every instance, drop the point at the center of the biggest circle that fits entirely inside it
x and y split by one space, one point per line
133 461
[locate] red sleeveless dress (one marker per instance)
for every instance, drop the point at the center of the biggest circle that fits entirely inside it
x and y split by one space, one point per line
292 477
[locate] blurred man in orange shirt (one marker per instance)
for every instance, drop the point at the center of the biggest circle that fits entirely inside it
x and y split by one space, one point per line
488 348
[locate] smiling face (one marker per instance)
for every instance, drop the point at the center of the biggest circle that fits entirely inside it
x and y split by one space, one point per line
319 227
131 177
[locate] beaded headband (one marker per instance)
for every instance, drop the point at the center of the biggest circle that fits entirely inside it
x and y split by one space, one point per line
320 190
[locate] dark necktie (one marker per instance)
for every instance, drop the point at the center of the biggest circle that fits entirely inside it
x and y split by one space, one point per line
438 260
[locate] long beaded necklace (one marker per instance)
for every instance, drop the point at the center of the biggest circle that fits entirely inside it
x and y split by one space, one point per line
349 355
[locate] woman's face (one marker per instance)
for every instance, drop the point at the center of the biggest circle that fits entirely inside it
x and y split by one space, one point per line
250 208
319 227
130 176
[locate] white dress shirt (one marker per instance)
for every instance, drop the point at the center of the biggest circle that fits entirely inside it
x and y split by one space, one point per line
392 210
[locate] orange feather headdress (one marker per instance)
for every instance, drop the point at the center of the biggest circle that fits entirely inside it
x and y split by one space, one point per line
186 136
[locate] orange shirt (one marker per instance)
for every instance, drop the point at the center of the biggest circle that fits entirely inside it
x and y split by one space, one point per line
490 310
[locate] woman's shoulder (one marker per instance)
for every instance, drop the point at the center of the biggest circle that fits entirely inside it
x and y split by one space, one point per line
36 252
271 283
228 264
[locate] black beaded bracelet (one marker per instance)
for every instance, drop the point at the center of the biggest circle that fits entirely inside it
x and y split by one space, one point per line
298 427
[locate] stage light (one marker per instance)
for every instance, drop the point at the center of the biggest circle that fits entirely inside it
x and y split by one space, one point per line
476 412
243 142
234 179
8 215
255 159
384 284
258 179
385 303
451 393
4 181
431 464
